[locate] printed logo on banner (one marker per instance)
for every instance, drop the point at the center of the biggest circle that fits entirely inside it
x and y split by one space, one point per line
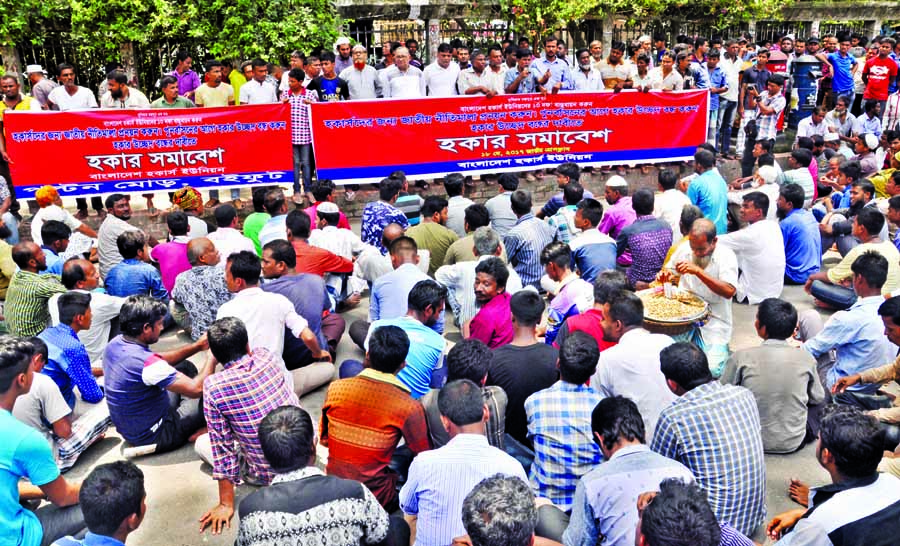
105 151
432 137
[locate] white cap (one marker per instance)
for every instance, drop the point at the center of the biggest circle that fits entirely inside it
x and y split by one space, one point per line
831 137
616 181
871 141
34 68
767 173
327 207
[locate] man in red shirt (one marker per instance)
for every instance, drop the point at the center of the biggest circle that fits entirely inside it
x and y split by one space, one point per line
606 285
312 259
878 74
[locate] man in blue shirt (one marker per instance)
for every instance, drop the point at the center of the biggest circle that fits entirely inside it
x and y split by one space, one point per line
709 191
68 363
551 73
802 239
55 236
113 499
25 453
717 86
843 67
134 275
426 347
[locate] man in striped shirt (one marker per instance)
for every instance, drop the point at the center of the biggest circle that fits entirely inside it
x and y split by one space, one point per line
27 311
525 241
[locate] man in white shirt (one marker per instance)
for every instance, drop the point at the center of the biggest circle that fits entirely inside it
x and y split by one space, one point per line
120 95
459 278
631 367
441 75
710 271
456 203
82 276
667 206
343 242
265 314
400 80
258 90
69 96
585 76
813 125
372 264
361 78
479 79
759 249
226 237
731 64
439 480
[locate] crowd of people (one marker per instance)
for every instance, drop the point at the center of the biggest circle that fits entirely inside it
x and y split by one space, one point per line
558 416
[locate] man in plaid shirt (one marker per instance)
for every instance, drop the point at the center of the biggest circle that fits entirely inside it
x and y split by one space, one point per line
714 430
301 132
769 106
559 424
235 401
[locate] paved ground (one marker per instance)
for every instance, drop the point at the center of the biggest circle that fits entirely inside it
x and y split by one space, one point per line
180 489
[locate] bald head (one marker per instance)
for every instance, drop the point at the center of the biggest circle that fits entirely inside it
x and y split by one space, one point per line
80 273
199 251
705 228
391 232
27 255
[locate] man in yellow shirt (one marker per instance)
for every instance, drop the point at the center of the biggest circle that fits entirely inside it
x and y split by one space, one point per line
235 78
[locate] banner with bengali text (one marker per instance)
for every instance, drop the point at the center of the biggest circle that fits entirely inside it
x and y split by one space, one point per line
106 151
365 141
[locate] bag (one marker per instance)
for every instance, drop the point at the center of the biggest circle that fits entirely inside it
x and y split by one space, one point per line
751 130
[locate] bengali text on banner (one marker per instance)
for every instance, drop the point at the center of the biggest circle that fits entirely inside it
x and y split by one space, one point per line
105 151
365 141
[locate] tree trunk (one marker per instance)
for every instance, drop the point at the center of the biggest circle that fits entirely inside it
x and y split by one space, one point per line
11 61
126 53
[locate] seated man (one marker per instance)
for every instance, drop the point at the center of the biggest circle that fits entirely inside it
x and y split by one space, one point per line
469 359
559 424
619 215
27 311
860 501
44 409
312 259
172 256
226 237
765 181
800 232
725 455
342 242
153 398
647 240
463 250
454 183
235 400
134 276
667 206
564 219
425 358
491 324
574 295
565 173
592 250
26 454
526 365
189 200
525 241
832 289
710 271
431 233
464 461
630 367
314 501
82 276
199 291
378 214
274 228
606 285
113 501
69 365
371 413
856 336
783 379
606 496
837 226
55 235
500 506
323 192
115 223
799 174
459 278
759 249
372 264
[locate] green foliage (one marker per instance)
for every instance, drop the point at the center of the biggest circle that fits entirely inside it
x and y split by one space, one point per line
22 20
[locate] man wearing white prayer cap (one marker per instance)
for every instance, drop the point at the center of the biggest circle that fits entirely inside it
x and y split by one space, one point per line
40 85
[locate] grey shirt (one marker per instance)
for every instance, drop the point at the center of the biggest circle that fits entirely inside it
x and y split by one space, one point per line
43 405
502 217
784 381
361 83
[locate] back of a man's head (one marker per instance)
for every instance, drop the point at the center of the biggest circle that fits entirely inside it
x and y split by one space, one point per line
679 516
854 439
469 359
225 215
274 201
500 511
685 364
287 438
15 358
486 241
527 307
110 494
388 347
617 418
404 248
871 266
578 358
228 339
608 283
462 402
627 308
779 317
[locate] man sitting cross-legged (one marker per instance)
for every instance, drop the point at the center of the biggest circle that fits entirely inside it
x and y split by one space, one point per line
311 504
235 400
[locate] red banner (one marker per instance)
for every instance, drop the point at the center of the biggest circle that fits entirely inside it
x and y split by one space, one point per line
105 151
365 141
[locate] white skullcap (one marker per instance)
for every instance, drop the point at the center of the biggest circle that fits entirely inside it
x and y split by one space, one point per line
831 137
767 173
33 69
343 40
871 141
327 207
616 181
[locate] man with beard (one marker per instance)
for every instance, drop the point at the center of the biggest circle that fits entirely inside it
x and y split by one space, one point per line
7 265
837 226
120 95
491 324
27 312
710 271
586 77
361 78
114 225
550 72
342 59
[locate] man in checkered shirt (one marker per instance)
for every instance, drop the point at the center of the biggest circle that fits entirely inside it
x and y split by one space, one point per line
714 430
769 106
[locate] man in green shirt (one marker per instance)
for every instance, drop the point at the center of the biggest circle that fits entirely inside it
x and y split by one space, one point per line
170 98
255 221
431 233
27 311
